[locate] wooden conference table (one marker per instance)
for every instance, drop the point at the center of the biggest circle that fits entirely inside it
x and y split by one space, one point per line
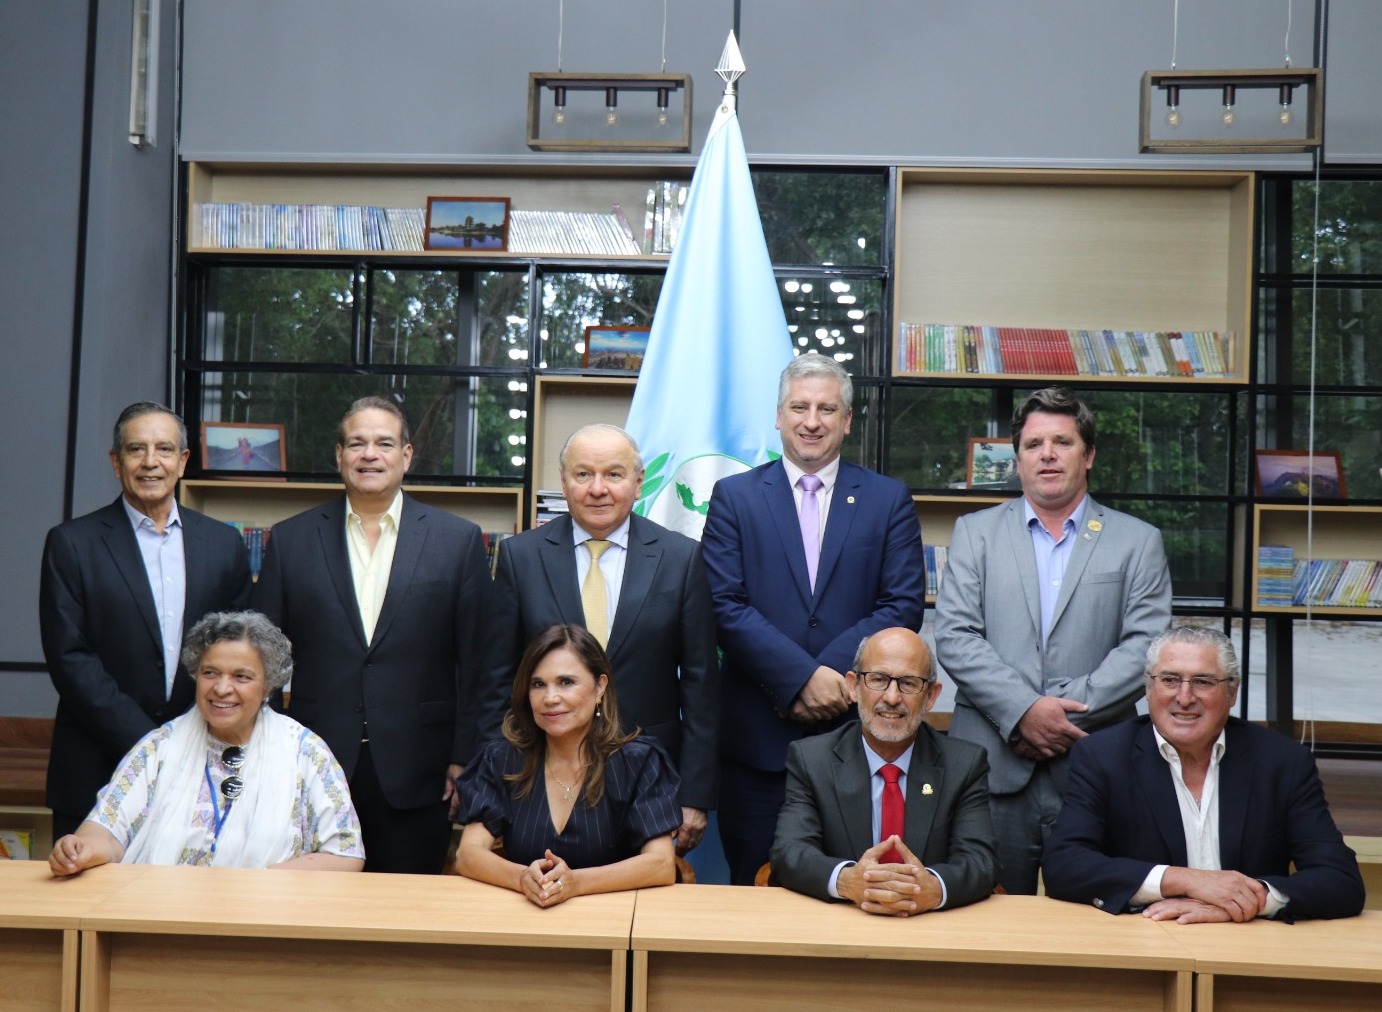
138 936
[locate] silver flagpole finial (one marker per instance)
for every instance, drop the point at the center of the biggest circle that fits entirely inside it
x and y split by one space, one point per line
730 68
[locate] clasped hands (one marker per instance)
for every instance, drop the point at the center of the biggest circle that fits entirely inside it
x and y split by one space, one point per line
548 881
1203 896
895 890
823 697
1046 730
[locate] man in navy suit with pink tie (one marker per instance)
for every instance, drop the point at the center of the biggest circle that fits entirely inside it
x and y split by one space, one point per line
806 556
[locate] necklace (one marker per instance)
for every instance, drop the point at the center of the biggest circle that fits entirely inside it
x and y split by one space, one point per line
567 789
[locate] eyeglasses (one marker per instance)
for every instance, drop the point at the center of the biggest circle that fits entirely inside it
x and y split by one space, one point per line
1200 685
908 685
233 786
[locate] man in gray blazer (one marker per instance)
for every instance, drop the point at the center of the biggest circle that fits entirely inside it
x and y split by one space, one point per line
836 838
1044 615
658 631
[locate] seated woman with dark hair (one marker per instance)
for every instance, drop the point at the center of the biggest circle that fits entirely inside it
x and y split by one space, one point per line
580 806
230 783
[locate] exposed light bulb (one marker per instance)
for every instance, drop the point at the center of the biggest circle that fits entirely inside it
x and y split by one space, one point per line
1228 116
1229 92
664 96
611 106
559 103
559 116
1285 115
662 117
1173 106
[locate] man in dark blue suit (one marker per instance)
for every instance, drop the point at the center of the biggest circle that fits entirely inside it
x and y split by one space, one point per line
1190 815
806 556
382 597
118 588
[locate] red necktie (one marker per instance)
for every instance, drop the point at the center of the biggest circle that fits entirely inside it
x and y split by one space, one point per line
893 810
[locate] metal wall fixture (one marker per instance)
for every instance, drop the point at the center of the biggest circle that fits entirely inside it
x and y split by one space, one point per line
1191 130
581 112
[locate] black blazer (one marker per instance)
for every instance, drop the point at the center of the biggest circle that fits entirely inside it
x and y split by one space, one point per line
828 815
661 647
102 643
1120 818
412 684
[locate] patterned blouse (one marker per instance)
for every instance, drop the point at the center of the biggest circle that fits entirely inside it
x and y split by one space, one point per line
323 817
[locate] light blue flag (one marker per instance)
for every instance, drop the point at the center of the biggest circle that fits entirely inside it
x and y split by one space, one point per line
705 403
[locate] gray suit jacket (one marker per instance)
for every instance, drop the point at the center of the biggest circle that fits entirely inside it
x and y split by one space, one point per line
661 647
828 817
1115 597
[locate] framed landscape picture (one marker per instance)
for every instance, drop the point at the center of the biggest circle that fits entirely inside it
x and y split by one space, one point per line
615 347
243 446
992 464
467 223
1299 474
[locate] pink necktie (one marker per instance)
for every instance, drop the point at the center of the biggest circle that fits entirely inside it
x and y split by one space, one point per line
893 811
811 524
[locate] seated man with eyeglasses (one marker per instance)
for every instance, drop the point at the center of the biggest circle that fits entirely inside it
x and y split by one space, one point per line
1189 814
885 812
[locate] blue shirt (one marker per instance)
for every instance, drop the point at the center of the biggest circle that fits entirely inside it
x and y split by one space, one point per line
1052 557
165 565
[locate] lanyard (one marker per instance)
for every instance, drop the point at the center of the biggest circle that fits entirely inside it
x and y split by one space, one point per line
220 813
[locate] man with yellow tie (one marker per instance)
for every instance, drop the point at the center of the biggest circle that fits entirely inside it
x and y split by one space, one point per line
639 588
884 812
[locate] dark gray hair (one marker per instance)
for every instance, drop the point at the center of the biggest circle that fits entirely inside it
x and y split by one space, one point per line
250 627
814 365
374 404
929 673
1056 401
137 410
1199 636
593 427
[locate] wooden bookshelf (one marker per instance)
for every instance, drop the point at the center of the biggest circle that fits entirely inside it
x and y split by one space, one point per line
528 187
1337 532
264 503
561 405
1118 250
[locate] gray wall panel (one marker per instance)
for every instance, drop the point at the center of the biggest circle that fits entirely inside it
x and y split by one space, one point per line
42 51
1353 115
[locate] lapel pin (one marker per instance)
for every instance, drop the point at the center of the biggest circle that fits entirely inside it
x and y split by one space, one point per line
850 499
926 789
1095 526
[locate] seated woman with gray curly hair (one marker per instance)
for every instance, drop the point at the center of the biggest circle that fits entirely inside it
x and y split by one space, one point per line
230 783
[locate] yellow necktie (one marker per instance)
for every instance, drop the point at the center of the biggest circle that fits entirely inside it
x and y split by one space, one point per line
594 593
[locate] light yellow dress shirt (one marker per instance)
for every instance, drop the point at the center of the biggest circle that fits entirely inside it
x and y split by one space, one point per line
370 569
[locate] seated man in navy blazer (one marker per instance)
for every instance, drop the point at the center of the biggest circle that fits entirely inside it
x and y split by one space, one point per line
885 812
1192 815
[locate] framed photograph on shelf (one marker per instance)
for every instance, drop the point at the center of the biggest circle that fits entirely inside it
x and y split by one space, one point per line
1299 474
992 464
615 347
467 223
243 446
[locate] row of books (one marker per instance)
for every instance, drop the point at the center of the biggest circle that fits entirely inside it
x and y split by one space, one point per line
578 232
936 557
256 540
321 227
968 348
1284 581
492 541
551 503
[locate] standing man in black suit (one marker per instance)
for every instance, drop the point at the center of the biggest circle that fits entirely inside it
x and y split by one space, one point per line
118 588
657 627
382 597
